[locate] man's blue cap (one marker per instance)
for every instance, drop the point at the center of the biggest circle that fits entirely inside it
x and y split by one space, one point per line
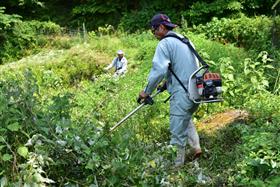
161 19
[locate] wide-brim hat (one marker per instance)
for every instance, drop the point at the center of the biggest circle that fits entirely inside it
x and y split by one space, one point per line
120 52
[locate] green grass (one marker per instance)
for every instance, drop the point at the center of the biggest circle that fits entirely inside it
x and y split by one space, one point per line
65 96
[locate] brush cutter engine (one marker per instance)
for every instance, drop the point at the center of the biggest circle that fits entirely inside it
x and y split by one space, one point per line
209 85
205 87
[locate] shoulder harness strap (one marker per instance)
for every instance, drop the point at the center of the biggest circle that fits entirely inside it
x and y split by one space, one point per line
186 41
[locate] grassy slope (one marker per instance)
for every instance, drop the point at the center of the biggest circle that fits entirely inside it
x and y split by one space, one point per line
137 153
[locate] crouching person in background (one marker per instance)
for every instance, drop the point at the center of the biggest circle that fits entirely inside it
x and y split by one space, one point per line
119 63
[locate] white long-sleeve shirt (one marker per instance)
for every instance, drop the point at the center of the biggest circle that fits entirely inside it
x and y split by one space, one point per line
119 65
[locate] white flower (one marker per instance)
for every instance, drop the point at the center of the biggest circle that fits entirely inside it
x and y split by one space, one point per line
58 130
61 142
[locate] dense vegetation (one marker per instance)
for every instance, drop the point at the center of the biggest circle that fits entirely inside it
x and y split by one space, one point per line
56 100
133 14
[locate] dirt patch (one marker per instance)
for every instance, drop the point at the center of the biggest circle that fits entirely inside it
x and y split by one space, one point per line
221 120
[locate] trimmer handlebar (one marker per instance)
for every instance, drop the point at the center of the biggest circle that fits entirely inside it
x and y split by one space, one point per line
162 87
148 100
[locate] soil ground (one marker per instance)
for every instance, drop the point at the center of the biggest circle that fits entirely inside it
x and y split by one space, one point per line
221 120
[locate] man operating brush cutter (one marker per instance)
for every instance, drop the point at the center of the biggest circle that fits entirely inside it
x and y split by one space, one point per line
173 53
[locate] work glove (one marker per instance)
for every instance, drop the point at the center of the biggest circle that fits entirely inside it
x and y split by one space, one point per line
145 98
162 87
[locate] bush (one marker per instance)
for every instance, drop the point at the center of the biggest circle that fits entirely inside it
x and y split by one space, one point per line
251 33
21 36
261 163
264 106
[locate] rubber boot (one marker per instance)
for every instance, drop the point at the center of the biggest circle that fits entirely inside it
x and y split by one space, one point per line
180 158
193 153
197 153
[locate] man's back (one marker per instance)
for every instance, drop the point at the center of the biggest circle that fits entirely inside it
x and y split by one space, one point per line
182 60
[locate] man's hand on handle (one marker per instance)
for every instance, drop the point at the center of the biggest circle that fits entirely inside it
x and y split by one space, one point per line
162 87
144 98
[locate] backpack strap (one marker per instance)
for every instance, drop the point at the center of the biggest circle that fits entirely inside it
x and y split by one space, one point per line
176 77
186 41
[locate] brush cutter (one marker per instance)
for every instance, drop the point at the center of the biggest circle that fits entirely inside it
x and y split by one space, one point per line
148 100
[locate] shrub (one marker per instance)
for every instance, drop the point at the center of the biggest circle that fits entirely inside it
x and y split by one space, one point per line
261 163
20 36
251 33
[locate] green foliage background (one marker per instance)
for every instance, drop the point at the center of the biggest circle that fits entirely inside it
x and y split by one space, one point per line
98 13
